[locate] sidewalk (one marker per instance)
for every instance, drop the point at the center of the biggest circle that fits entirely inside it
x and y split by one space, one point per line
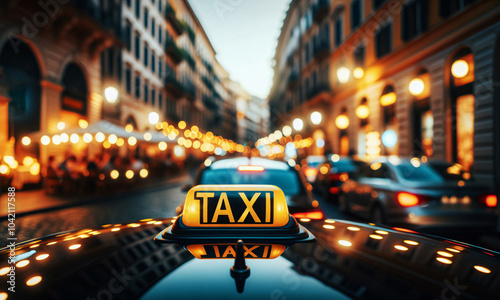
29 202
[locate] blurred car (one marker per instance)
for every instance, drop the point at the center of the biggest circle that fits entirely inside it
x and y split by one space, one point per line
345 260
334 173
407 191
255 170
311 167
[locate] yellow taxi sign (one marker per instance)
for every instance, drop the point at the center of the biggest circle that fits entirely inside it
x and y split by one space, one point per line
228 251
235 206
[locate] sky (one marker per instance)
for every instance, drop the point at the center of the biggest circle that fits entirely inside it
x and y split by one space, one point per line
244 34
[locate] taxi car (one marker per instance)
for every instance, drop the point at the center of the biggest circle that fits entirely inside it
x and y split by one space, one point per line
256 170
417 194
240 242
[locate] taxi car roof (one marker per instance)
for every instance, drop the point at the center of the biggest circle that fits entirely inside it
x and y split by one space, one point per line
234 163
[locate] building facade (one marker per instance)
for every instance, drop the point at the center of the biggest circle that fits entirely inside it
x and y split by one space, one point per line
167 66
49 67
394 77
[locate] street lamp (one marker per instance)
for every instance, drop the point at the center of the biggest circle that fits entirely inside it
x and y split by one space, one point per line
362 111
358 73
153 118
287 130
316 117
298 124
460 68
111 94
416 86
342 122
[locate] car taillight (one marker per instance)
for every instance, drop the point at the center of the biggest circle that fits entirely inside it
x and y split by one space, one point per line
489 200
407 199
313 215
334 177
334 190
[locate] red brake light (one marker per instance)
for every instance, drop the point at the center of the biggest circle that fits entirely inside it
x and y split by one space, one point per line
251 168
407 199
334 190
334 177
313 215
489 200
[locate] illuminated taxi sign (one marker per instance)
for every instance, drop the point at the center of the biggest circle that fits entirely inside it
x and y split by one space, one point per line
228 251
235 206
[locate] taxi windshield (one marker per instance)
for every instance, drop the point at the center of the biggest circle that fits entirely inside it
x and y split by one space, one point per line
421 173
285 180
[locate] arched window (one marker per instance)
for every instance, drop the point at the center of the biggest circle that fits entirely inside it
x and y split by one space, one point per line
389 121
421 115
74 96
462 108
22 77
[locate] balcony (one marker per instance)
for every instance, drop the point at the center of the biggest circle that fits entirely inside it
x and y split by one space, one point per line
189 59
293 80
210 103
172 18
320 10
209 67
321 50
190 32
320 89
173 85
189 90
173 51
207 83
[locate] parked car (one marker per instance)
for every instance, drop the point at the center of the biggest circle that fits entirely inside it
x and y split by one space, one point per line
407 191
334 173
311 167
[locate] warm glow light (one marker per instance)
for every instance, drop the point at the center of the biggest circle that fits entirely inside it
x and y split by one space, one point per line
335 157
148 136
87 138
56 139
129 128
410 242
162 146
182 125
407 199
4 169
362 111
74 138
132 141
298 124
179 151
251 168
287 130
316 118
4 271
115 229
74 246
83 123
3 296
389 138
352 228
23 263
153 118
112 139
114 174
376 237
28 161
207 162
61 125
120 142
445 254
342 122
129 174
358 73
443 260
388 99
45 140
34 280
401 248
326 226
482 269
26 141
345 243
41 256
343 74
111 94
382 232
416 86
143 173
35 169
99 137
460 68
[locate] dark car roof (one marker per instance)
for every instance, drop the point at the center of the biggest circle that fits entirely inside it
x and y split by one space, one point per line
233 163
347 260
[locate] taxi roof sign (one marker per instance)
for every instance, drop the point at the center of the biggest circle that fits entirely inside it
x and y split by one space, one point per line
235 206
215 214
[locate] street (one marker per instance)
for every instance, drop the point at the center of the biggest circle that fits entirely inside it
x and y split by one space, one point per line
156 202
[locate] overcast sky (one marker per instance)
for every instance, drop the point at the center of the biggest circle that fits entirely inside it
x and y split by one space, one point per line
244 34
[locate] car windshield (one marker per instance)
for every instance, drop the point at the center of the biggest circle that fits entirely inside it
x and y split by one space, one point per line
420 173
450 172
288 181
344 165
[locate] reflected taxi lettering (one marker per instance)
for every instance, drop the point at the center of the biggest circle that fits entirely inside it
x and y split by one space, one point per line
221 251
235 206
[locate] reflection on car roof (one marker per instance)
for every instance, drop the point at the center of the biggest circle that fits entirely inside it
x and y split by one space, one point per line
233 163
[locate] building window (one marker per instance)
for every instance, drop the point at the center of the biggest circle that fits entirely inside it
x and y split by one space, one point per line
111 62
153 62
137 87
160 34
129 3
160 71
137 46
128 80
359 56
159 5
390 122
378 3
128 36
356 13
338 31
146 18
160 100
153 96
146 55
383 40
153 27
137 9
450 7
414 20
146 92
